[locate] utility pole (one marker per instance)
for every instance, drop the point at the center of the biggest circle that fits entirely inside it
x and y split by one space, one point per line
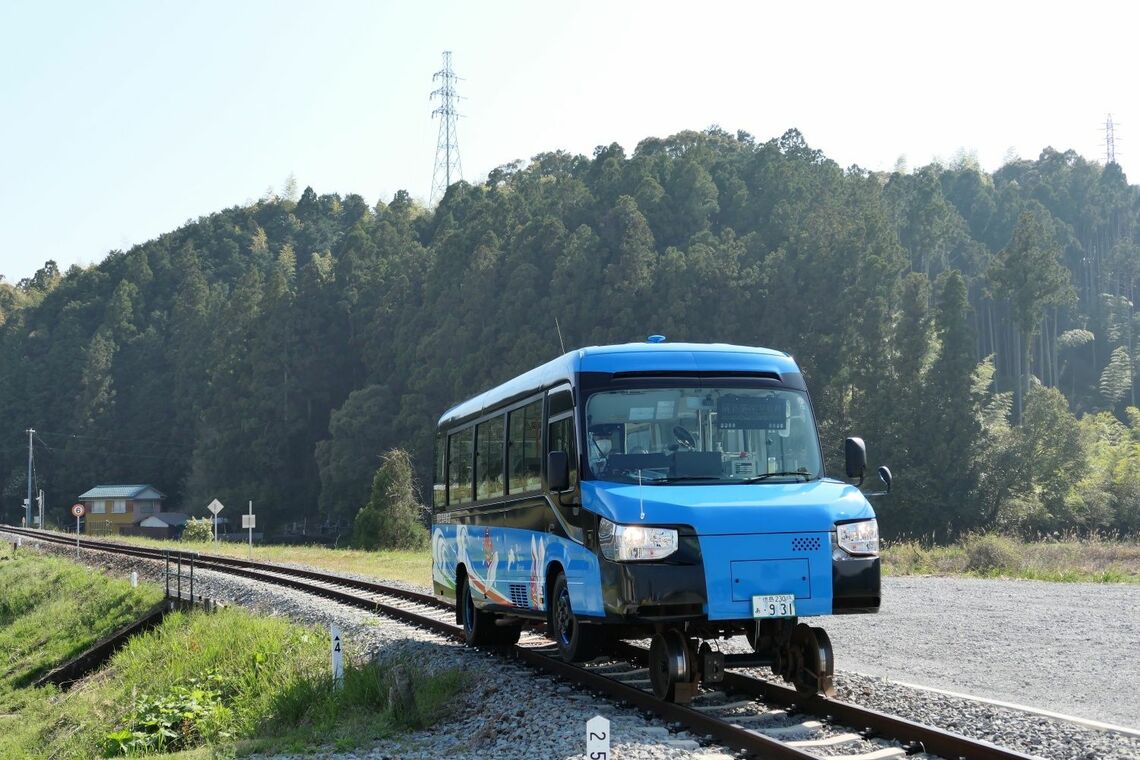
447 164
28 503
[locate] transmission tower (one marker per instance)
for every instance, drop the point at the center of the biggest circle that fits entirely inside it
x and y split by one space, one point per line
447 164
1109 142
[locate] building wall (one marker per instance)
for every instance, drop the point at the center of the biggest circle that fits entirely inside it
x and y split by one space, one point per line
109 516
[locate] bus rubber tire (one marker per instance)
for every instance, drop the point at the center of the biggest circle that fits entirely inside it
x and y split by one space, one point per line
478 626
576 642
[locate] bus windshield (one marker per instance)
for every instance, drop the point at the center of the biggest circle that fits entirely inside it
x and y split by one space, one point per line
701 435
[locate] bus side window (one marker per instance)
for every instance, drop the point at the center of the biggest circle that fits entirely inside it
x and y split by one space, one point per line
439 477
489 463
560 401
461 452
524 460
562 439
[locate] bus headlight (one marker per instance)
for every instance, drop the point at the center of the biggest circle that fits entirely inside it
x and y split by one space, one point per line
627 543
858 537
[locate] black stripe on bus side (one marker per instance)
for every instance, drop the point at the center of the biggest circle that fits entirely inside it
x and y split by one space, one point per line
534 513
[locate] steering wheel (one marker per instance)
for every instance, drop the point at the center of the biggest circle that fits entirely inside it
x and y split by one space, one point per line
684 437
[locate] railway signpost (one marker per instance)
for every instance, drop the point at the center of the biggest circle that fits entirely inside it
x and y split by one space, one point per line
215 507
78 510
249 521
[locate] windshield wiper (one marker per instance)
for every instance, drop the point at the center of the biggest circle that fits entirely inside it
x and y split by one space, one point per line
766 475
679 478
645 479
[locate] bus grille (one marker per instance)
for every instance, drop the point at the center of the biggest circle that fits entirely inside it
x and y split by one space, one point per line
518 595
810 544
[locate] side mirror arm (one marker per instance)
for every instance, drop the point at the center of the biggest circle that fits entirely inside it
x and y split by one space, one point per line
885 476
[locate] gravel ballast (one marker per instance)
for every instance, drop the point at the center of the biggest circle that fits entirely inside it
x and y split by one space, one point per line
512 711
1066 647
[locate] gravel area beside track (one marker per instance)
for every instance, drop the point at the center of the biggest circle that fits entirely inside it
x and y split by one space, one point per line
919 637
1061 647
1066 647
1012 729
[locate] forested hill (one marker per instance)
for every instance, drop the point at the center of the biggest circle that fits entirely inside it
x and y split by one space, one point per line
272 352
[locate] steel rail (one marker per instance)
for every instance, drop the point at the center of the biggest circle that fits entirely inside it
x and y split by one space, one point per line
235 562
915 737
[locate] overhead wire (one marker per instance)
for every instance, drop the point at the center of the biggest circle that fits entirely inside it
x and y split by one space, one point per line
86 450
172 444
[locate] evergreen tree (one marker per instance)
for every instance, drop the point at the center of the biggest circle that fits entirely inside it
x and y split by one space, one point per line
392 517
952 434
1029 275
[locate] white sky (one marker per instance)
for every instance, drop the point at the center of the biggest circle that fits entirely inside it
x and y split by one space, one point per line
121 120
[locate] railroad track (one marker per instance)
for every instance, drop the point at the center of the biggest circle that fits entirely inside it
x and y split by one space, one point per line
743 712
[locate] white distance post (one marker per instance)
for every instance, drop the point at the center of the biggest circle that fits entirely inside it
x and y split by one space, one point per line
598 738
337 657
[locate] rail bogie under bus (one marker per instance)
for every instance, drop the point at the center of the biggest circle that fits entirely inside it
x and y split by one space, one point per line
671 492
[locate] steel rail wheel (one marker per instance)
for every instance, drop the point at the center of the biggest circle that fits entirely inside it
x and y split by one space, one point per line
670 664
812 661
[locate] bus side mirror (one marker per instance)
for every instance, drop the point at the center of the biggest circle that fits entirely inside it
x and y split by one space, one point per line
558 471
855 452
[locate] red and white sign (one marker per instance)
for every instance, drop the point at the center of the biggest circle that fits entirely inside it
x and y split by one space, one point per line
78 510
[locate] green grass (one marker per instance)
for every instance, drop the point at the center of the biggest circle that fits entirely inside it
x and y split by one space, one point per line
52 610
1071 559
409 566
219 684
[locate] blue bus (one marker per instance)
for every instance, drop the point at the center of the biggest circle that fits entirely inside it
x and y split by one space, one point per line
665 491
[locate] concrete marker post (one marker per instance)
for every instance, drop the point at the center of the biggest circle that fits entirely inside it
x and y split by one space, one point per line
598 738
337 656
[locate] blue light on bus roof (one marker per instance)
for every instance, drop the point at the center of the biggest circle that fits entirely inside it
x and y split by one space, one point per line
656 338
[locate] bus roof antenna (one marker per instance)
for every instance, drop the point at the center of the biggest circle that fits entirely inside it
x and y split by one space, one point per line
559 329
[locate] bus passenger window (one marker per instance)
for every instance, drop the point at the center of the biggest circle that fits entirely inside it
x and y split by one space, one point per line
489 463
562 439
524 449
461 452
439 477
